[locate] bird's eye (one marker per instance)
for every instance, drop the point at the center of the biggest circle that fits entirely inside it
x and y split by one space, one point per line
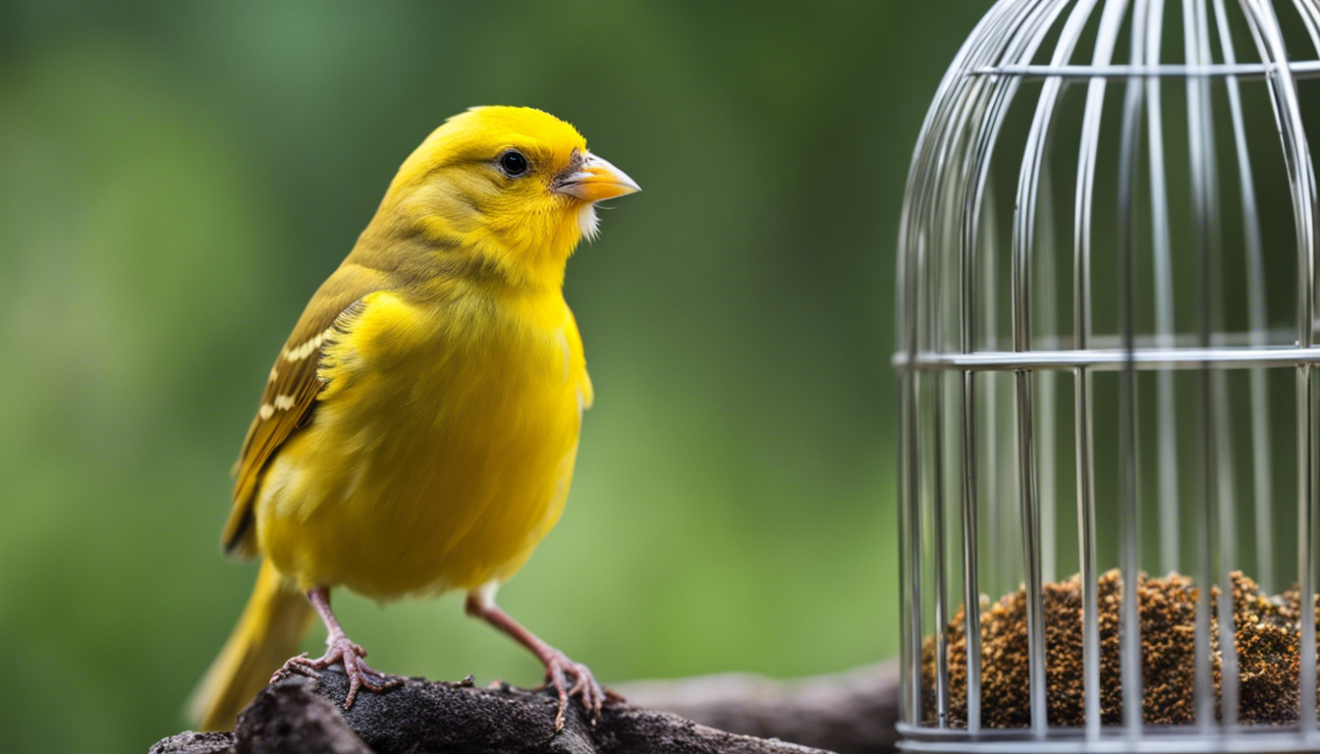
513 163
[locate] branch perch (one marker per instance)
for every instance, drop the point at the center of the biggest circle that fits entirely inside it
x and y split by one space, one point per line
306 715
853 712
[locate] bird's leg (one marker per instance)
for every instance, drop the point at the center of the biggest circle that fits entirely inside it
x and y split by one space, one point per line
338 650
557 664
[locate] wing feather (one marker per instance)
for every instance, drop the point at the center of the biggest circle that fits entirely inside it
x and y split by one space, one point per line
290 397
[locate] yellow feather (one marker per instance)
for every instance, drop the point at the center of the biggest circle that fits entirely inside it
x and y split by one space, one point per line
433 445
274 621
446 434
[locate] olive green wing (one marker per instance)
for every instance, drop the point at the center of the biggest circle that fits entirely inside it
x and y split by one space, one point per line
290 397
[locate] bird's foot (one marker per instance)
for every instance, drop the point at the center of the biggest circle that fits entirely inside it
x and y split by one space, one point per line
340 650
558 669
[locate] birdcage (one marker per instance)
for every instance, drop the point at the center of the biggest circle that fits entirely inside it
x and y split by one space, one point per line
1107 382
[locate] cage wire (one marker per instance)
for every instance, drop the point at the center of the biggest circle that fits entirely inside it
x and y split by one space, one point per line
1107 319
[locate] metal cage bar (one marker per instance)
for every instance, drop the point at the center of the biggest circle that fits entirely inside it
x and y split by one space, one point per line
1130 146
1200 137
1106 37
1283 95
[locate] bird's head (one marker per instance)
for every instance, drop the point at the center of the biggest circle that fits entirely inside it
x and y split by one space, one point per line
512 185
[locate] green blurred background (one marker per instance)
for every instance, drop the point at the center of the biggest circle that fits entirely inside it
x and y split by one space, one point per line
177 180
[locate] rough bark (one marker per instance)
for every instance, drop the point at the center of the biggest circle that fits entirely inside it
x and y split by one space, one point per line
304 715
851 713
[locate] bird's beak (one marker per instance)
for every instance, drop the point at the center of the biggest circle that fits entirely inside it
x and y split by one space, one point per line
596 179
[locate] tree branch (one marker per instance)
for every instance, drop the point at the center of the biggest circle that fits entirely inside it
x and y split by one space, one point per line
853 712
304 715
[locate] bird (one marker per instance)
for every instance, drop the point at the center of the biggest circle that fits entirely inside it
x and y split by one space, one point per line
418 431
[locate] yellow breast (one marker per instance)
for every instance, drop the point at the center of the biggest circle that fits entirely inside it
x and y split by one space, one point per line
440 452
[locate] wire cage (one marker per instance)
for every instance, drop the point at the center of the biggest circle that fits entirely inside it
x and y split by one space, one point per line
1107 379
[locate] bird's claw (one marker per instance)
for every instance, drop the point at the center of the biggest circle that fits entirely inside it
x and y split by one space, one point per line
290 667
342 651
585 687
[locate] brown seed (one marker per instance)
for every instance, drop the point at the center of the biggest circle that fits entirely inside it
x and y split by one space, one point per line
1266 640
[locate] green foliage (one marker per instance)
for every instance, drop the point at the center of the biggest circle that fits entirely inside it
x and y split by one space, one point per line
176 182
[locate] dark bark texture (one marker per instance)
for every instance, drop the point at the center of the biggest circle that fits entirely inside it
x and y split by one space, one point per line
306 715
851 713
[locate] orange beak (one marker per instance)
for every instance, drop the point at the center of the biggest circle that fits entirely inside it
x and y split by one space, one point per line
595 180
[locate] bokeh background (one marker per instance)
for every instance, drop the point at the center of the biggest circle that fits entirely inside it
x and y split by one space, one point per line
176 180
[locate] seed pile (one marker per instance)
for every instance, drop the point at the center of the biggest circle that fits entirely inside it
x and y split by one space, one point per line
1267 632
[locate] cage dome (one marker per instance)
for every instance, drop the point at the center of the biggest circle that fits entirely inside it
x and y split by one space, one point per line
1108 390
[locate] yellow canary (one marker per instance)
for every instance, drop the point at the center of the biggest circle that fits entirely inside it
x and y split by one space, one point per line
418 431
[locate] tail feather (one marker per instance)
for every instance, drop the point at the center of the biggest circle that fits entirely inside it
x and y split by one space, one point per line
268 633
